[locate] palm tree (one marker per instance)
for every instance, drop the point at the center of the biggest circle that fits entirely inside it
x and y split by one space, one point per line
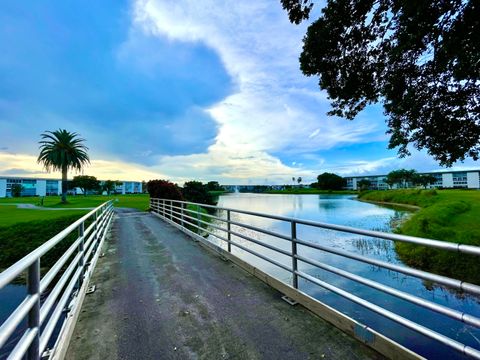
62 150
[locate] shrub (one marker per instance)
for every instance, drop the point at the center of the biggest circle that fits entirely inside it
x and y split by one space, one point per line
164 189
195 191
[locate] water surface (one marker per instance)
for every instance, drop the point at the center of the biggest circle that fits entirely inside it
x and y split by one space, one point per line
346 210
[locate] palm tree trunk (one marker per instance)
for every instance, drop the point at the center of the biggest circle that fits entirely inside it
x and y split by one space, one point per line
64 184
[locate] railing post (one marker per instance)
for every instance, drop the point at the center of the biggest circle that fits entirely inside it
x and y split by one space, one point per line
198 219
294 254
163 209
81 250
33 287
171 210
229 235
181 214
97 238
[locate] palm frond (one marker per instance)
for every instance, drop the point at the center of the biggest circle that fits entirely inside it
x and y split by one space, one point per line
62 149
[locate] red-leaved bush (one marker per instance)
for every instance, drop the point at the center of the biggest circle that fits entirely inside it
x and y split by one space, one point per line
164 189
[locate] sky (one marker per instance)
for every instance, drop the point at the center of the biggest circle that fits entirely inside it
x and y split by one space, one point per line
178 90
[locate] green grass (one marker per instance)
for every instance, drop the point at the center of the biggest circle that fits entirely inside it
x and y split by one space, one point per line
309 191
448 215
10 215
203 217
136 201
217 192
21 238
22 230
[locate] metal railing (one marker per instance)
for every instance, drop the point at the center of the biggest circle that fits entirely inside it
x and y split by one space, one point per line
61 284
178 213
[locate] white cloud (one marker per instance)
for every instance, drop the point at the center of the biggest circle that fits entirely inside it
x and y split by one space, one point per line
26 165
274 109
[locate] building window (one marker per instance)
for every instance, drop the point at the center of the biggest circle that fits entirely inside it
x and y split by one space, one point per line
460 179
52 187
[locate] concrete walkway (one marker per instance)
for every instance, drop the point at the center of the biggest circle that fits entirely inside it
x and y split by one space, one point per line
161 295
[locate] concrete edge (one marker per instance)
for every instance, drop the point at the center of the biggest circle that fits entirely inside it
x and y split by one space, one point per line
379 342
66 332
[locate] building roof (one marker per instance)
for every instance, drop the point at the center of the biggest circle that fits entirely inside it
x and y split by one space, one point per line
423 172
53 179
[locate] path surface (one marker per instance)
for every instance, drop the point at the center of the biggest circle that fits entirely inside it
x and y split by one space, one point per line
161 295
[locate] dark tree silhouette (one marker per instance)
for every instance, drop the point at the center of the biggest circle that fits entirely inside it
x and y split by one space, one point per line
421 59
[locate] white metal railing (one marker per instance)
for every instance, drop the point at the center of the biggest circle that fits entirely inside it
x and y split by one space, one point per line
177 213
63 281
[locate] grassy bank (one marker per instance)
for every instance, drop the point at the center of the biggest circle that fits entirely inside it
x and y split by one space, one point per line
301 191
23 230
449 215
21 238
10 215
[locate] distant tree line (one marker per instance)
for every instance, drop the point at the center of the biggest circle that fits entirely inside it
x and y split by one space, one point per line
90 184
402 178
405 178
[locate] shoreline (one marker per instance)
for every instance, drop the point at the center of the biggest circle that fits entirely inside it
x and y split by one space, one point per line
407 206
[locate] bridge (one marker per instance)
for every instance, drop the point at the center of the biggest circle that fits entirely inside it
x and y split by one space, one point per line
173 283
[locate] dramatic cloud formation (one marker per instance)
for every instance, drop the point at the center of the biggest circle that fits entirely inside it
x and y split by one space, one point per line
189 89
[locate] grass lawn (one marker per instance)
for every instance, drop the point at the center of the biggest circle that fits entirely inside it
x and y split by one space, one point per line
23 230
10 215
310 191
449 215
137 201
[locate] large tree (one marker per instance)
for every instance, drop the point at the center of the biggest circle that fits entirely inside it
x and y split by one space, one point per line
62 150
86 183
421 59
402 177
197 192
329 181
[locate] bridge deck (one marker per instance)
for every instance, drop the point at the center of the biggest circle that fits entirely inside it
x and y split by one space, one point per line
162 296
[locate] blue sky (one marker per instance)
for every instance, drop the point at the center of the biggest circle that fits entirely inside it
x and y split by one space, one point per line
191 89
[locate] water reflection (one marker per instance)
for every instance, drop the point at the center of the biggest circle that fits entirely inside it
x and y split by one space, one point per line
346 210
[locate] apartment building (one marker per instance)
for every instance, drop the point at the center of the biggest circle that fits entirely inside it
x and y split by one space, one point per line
467 179
47 187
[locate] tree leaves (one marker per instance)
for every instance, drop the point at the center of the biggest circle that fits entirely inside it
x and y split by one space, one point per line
421 59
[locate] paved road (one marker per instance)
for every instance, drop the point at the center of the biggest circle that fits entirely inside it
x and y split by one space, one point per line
161 295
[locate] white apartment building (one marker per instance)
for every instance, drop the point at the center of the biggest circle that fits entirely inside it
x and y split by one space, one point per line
467 179
46 187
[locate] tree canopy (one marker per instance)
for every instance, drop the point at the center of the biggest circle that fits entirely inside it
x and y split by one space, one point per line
329 181
109 186
164 189
86 183
364 184
197 192
421 59
401 177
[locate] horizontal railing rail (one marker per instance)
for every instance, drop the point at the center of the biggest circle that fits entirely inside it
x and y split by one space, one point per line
190 218
60 285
